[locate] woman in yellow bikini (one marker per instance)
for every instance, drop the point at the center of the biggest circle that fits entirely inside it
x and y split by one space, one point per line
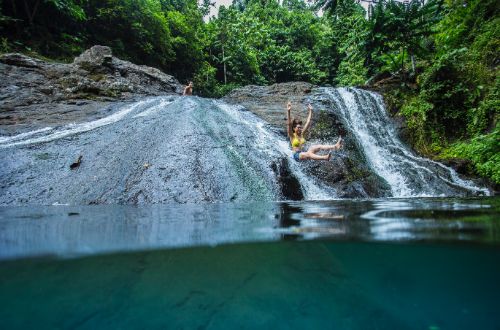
296 134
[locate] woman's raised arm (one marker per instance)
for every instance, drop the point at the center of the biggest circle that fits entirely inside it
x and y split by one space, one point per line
308 121
288 120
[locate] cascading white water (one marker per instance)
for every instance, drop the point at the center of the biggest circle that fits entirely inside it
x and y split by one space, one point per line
276 146
364 115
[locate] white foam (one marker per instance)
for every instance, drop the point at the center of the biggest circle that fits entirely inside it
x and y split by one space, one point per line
153 110
72 129
385 153
9 139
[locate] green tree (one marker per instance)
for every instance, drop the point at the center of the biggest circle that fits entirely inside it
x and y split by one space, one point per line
350 29
135 29
400 32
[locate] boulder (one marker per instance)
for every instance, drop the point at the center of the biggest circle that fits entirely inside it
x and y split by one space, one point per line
269 102
94 58
20 60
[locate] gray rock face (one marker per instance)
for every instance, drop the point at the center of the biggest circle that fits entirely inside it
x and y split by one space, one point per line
269 102
347 173
89 135
374 161
94 58
35 93
165 149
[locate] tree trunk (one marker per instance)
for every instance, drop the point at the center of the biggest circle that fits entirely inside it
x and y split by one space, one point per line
209 57
14 8
403 61
31 13
16 22
224 62
413 64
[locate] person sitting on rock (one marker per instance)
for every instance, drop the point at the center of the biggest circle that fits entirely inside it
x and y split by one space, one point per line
296 134
189 89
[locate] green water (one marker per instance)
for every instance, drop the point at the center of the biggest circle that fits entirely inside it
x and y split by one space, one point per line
422 263
275 285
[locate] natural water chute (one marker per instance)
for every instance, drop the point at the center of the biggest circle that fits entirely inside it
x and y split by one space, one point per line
189 149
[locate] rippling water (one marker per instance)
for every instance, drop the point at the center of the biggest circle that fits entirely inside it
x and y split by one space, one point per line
68 231
373 264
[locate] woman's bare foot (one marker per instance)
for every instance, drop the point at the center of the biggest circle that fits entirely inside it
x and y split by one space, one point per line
339 143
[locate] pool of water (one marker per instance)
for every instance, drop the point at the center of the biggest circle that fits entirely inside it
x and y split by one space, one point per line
375 264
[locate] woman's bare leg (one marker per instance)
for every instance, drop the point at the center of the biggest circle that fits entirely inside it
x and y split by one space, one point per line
313 156
317 147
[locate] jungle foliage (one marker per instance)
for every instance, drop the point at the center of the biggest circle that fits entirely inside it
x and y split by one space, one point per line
441 56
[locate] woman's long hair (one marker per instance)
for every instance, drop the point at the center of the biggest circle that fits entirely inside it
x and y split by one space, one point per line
295 122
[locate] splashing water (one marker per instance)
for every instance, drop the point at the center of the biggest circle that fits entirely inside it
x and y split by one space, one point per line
277 146
364 115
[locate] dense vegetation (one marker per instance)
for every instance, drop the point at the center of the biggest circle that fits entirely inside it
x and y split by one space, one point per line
439 57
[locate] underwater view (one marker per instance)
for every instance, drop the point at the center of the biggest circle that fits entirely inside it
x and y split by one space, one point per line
347 264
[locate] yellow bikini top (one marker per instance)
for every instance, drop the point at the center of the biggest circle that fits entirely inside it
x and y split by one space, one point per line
297 142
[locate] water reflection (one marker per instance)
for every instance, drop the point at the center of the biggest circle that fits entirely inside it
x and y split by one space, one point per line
85 230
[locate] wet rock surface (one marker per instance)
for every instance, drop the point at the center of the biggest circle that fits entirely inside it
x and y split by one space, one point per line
35 93
347 172
158 150
269 102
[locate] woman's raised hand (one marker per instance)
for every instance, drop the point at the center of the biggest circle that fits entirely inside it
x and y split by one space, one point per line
309 107
289 106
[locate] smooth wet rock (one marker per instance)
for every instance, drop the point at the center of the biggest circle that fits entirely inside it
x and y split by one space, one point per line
160 150
289 185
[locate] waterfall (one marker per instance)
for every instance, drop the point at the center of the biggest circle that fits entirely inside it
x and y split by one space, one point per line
365 117
190 149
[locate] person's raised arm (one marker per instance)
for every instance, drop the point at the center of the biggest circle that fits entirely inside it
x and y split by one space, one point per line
288 120
309 116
